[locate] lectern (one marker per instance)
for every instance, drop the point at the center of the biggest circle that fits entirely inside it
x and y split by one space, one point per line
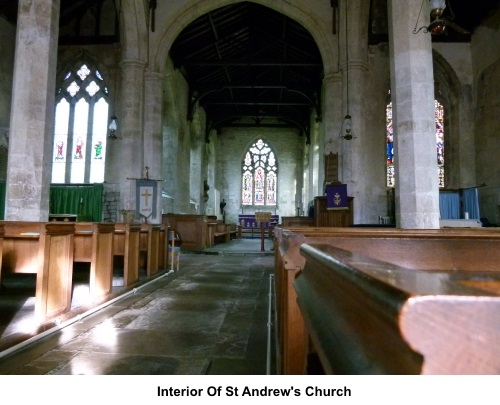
262 218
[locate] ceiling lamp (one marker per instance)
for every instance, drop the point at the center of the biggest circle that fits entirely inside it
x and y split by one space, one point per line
438 23
346 131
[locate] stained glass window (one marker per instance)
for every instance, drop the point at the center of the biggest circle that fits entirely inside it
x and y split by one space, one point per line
439 119
259 175
81 117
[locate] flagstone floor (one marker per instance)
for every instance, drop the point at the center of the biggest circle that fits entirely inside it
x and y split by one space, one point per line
215 316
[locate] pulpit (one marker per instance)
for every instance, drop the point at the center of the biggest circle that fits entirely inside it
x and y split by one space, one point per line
328 217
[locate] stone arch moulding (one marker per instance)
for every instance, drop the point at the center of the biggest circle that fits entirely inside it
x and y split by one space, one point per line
177 21
133 30
447 91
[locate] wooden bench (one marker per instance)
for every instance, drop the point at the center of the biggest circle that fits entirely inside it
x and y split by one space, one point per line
423 249
126 245
150 249
234 230
94 244
192 229
222 233
367 316
44 249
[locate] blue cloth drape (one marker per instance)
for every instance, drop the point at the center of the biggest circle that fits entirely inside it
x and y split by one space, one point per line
471 204
449 205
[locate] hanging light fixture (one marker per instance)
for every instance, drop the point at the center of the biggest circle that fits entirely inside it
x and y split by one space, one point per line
113 127
438 23
346 131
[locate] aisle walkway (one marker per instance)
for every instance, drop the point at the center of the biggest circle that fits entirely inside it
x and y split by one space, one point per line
209 318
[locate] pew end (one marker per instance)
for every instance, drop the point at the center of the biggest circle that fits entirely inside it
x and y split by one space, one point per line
367 316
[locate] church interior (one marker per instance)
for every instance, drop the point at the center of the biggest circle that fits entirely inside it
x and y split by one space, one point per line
351 143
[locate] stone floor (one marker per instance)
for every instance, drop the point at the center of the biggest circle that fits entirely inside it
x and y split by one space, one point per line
214 317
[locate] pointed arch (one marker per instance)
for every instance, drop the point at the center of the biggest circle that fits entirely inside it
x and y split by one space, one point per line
178 20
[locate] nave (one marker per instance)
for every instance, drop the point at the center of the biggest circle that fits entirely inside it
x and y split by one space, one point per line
211 317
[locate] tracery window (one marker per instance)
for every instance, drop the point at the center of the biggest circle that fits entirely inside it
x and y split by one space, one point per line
81 122
259 175
439 119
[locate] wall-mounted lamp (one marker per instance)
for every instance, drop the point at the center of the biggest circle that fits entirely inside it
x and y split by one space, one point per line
113 126
346 131
438 23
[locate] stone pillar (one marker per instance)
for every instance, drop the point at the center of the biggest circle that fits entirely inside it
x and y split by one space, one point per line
332 114
354 165
131 130
32 111
417 190
153 137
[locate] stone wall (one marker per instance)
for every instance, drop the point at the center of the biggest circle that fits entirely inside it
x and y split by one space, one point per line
233 143
111 203
7 50
485 46
176 146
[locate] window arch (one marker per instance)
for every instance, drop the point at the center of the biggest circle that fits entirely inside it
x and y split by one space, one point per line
439 120
259 175
81 123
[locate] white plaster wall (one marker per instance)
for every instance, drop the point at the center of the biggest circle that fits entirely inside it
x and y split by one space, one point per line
233 143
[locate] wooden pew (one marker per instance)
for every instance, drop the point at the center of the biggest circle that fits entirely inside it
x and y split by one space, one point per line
126 244
162 246
222 232
44 249
2 233
295 222
367 316
192 229
211 229
424 249
149 243
94 244
233 230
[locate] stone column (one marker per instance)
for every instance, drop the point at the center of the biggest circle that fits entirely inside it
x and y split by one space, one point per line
32 111
153 137
131 130
354 165
332 111
417 190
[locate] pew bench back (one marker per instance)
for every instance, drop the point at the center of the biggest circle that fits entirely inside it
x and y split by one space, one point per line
475 249
366 316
